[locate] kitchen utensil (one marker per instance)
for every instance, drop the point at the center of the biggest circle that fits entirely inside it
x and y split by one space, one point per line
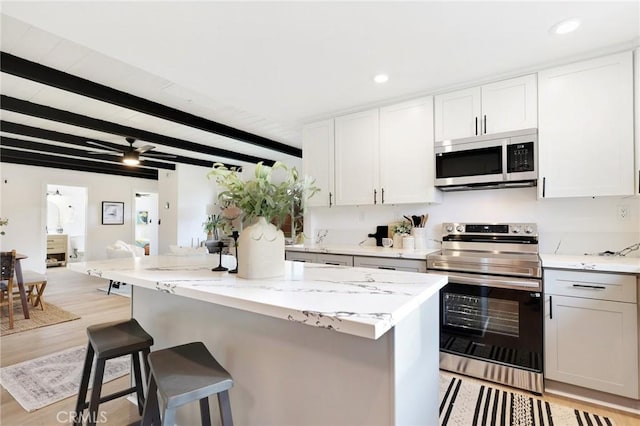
387 242
416 220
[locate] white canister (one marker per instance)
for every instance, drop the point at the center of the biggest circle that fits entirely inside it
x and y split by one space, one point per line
420 236
408 243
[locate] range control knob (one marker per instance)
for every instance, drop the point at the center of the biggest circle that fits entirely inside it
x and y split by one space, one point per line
460 228
449 228
516 229
528 229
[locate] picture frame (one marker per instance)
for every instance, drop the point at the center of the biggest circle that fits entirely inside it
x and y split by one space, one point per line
112 213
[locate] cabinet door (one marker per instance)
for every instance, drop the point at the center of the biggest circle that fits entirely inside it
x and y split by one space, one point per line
406 153
510 105
592 343
335 259
298 256
585 134
408 265
356 152
457 114
318 161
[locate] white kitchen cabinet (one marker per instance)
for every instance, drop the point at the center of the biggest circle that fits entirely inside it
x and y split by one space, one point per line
591 330
408 265
585 134
385 156
318 160
492 108
406 153
356 158
323 258
637 119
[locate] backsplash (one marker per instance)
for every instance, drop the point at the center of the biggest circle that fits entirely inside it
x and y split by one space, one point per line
566 226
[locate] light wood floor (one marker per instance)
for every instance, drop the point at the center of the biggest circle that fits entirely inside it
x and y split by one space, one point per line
78 293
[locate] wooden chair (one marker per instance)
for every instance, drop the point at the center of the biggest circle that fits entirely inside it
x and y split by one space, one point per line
35 284
7 273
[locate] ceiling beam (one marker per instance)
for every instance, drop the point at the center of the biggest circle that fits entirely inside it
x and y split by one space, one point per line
8 155
20 106
33 71
52 135
56 149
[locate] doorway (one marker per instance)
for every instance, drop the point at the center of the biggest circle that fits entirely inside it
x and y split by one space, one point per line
66 219
146 228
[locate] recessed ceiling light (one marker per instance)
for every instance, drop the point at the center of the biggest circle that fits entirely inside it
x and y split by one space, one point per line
381 78
566 26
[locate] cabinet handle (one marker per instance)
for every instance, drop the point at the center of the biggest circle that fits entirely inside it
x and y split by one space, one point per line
544 186
382 195
590 287
332 263
375 196
638 181
485 124
476 126
330 200
298 260
387 267
550 307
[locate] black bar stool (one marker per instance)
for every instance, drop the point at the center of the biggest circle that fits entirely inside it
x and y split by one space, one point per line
184 374
106 341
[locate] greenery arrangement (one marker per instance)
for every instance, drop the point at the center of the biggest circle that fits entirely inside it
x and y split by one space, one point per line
260 196
211 225
401 228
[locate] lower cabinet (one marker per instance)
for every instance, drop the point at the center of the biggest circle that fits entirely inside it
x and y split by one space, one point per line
591 330
327 259
408 265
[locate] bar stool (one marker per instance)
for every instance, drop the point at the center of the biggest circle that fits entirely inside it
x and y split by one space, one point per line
184 374
106 341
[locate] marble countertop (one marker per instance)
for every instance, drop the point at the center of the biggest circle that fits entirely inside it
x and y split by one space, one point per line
373 251
629 265
359 301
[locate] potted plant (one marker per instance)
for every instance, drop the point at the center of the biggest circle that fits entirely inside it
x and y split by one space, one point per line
211 225
265 204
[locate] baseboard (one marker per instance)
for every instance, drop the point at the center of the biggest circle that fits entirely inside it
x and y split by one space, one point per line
591 396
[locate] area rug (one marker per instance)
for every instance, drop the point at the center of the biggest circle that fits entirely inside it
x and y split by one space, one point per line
37 318
467 403
51 378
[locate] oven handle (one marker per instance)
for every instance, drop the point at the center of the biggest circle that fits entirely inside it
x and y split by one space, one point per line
492 281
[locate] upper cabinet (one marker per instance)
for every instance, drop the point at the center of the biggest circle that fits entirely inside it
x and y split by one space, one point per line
585 134
492 108
356 166
406 153
318 160
385 156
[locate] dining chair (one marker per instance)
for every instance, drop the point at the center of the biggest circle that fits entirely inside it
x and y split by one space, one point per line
7 272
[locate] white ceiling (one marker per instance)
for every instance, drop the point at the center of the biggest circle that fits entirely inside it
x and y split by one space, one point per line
269 67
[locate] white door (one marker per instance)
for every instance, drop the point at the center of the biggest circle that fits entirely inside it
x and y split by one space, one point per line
592 343
318 160
356 152
406 152
585 135
457 114
510 105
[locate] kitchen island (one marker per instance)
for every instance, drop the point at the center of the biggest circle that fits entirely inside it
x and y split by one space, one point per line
323 345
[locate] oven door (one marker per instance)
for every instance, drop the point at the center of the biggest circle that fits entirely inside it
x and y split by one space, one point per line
496 324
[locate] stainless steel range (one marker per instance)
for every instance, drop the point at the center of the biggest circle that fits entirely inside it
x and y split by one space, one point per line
491 310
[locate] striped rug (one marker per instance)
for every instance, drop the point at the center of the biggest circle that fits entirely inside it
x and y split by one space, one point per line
467 403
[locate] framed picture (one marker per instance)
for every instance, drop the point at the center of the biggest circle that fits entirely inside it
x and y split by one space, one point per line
112 213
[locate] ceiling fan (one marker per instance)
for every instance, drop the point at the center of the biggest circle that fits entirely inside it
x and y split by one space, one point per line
130 155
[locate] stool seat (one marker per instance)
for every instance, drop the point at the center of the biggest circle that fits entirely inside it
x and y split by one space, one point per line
184 374
117 338
106 341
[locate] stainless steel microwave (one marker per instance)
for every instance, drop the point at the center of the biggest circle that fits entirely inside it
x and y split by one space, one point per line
501 160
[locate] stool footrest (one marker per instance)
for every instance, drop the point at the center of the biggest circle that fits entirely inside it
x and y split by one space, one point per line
112 396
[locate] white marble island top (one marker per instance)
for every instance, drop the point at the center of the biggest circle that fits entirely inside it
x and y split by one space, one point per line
357 301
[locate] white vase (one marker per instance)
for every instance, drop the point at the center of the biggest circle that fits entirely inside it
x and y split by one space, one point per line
397 241
261 251
420 235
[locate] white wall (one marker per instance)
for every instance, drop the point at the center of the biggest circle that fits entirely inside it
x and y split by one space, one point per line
577 225
23 202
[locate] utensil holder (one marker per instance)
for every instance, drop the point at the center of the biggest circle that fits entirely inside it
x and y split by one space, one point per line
420 238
